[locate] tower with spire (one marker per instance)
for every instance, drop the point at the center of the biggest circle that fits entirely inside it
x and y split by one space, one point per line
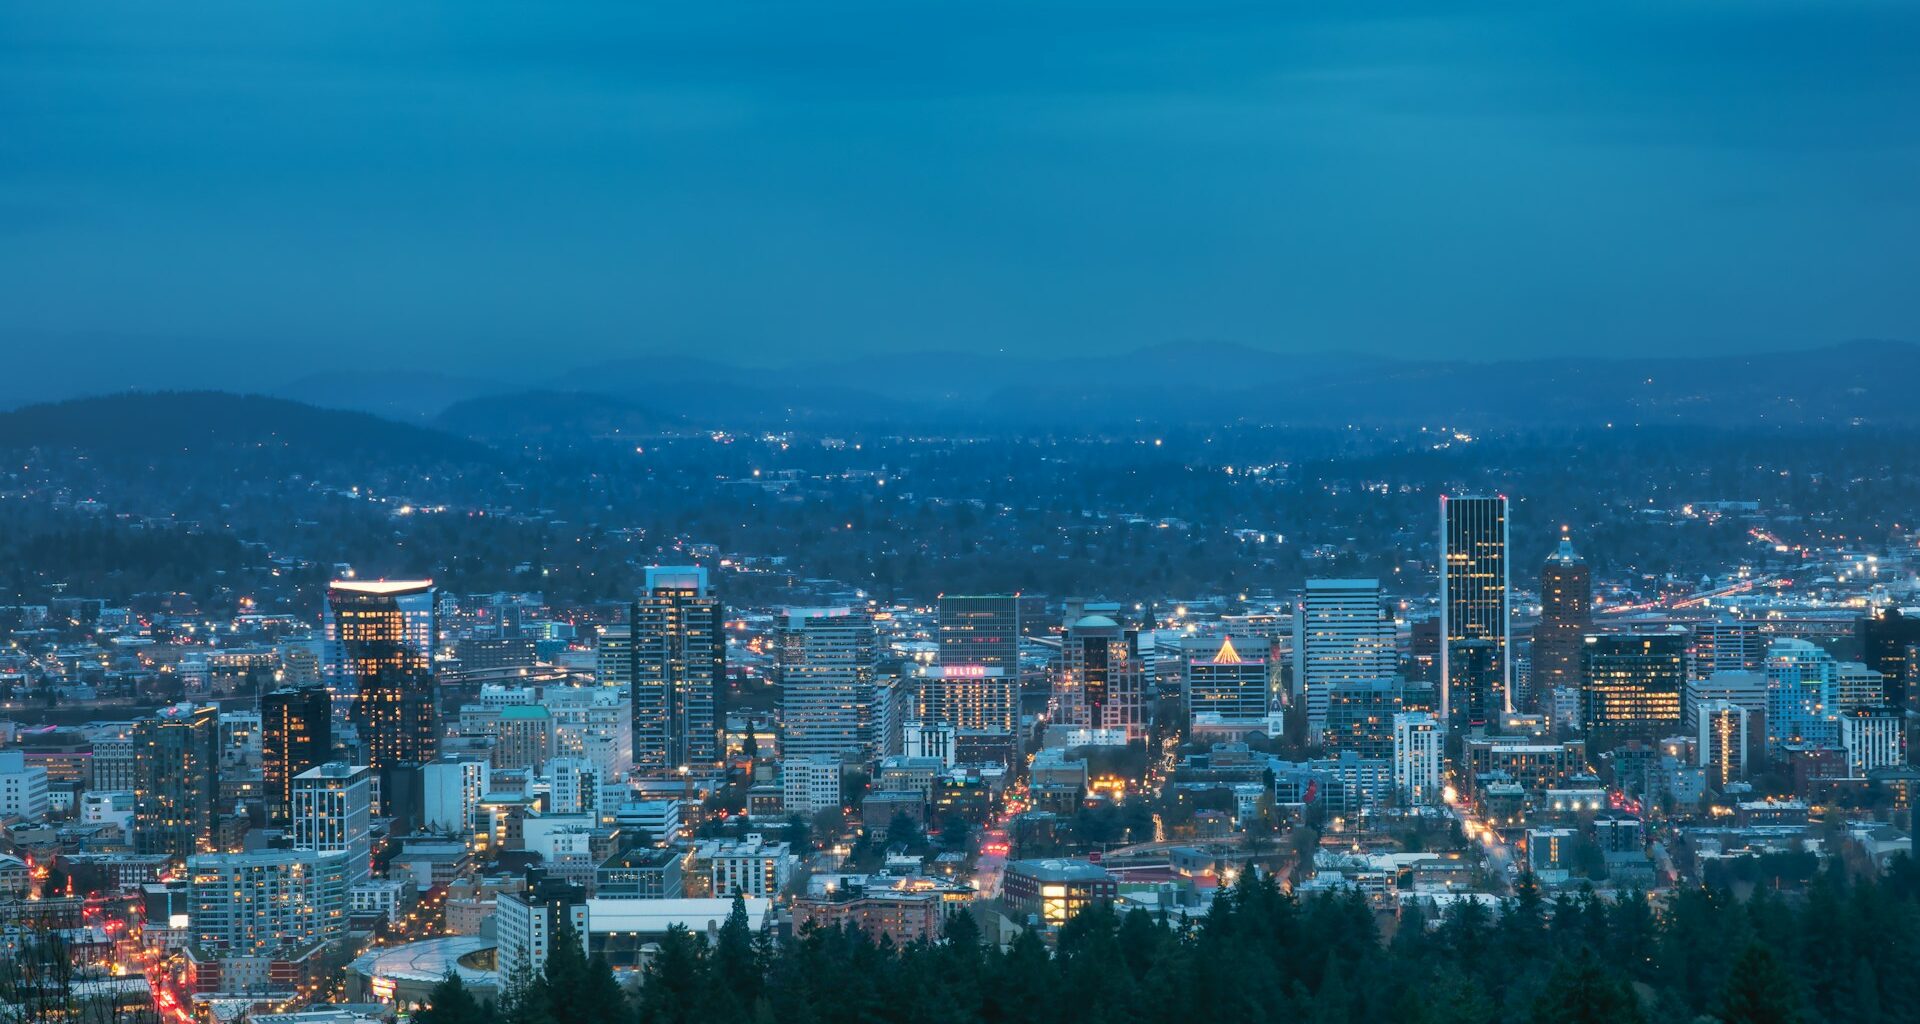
1566 615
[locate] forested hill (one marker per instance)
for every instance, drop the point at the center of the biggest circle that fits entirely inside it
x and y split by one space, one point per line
206 422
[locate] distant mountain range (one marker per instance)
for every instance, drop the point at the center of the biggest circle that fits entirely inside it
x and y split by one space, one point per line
1859 382
1871 382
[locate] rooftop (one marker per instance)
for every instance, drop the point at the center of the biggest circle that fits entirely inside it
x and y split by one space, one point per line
429 961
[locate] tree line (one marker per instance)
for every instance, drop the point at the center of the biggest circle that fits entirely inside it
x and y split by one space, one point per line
1842 951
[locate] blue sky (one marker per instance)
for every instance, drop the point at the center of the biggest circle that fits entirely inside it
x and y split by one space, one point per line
237 193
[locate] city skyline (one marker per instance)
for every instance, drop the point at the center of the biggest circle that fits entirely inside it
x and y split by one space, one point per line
953 513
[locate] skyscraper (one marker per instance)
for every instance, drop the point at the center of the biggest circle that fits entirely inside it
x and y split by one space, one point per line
1341 634
381 634
1634 682
333 816
678 664
1566 616
177 781
374 625
825 661
977 686
1475 600
296 733
1100 683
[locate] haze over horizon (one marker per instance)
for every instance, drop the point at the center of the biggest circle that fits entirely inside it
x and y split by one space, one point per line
236 195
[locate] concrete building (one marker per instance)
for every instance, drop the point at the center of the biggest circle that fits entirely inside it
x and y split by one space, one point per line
1873 737
1416 758
825 660
256 904
1723 739
527 924
750 867
23 787
333 815
1051 891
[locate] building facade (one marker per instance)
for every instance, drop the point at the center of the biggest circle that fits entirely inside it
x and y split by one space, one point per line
1566 616
826 663
1341 634
1475 607
677 664
296 733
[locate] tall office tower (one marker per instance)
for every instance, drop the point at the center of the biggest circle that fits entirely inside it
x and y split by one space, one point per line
613 655
1225 685
1890 645
1727 644
381 634
176 789
1100 684
296 733
1416 758
1341 634
1566 617
1475 602
679 664
375 625
978 690
1721 740
1360 717
259 904
333 815
825 661
1634 682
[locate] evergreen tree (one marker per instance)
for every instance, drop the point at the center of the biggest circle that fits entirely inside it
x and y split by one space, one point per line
675 981
1582 992
452 1002
1760 991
